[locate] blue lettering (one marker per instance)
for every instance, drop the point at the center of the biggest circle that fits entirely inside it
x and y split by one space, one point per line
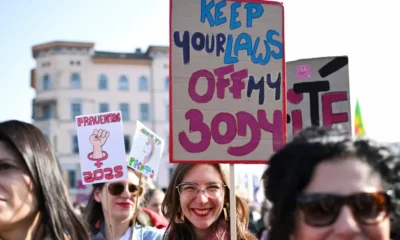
275 85
219 17
234 14
221 39
205 12
228 59
259 10
252 85
184 44
243 46
198 41
209 49
259 59
275 43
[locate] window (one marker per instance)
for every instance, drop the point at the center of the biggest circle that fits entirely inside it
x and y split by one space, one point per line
143 84
102 82
124 108
72 178
76 110
46 82
75 81
166 83
144 112
103 107
127 140
47 112
167 112
123 83
75 147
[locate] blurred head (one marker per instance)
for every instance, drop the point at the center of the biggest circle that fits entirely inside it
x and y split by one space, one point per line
122 196
153 200
336 187
31 183
196 199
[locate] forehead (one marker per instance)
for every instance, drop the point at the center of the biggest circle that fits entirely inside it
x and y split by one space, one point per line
202 174
8 153
344 176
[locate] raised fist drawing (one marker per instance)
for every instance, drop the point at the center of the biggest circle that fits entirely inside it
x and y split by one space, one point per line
98 139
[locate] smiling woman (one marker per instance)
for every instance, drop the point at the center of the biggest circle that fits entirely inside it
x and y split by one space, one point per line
197 202
33 200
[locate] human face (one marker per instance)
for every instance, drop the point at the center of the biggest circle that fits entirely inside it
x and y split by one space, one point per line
202 211
122 206
156 201
17 195
344 177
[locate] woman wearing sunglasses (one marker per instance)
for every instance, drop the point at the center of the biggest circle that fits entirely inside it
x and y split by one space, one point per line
122 197
34 203
324 185
197 202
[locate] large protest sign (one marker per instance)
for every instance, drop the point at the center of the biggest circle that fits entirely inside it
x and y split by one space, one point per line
146 151
101 147
227 73
318 93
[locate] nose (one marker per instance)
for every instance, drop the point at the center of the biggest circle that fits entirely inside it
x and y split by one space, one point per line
202 197
346 226
126 193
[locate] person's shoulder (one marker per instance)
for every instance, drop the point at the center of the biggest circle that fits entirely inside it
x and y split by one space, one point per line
152 233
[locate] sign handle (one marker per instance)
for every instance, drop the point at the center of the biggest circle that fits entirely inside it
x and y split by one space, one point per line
136 206
232 202
109 218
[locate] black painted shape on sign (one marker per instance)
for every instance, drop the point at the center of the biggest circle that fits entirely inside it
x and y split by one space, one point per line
333 66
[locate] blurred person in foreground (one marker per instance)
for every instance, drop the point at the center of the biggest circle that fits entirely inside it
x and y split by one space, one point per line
34 204
152 207
324 185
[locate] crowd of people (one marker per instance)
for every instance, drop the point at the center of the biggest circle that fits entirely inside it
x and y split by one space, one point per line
324 184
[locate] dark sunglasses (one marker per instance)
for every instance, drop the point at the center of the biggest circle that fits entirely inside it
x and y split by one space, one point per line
117 188
322 210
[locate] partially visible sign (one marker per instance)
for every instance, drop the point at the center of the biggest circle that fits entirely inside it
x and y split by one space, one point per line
318 93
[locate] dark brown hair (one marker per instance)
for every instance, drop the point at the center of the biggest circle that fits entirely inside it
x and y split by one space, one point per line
94 211
35 150
171 207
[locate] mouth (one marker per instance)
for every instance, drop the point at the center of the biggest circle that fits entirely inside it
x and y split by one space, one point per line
201 212
124 204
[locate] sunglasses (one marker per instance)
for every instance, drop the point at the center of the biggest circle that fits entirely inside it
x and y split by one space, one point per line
116 189
321 210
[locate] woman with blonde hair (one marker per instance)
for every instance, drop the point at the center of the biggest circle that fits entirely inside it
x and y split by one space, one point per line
197 202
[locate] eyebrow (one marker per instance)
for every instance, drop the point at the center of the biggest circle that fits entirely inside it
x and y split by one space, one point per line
208 183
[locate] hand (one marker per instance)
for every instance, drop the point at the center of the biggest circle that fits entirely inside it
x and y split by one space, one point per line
99 137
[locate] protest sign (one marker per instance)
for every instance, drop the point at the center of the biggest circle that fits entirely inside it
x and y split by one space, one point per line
146 151
318 93
227 72
101 147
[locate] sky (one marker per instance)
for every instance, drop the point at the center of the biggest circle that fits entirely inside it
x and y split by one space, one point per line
364 30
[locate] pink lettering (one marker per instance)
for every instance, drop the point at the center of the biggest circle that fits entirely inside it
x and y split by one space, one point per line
231 129
237 83
196 124
329 118
210 86
276 127
223 82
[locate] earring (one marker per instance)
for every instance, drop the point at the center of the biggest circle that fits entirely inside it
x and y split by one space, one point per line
180 217
226 215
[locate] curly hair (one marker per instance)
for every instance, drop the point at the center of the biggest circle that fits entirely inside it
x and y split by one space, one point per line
292 167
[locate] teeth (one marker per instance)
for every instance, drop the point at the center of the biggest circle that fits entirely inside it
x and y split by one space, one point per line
202 211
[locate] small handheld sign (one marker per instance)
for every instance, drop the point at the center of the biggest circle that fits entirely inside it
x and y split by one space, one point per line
146 151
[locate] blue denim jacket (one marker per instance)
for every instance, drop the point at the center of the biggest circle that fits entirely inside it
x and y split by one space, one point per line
141 233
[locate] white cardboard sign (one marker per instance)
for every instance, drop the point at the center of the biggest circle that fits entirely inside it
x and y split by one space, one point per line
101 147
146 151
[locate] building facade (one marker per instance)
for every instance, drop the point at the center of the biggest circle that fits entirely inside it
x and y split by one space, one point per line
72 78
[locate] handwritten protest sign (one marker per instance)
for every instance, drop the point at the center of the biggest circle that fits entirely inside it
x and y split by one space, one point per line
146 151
318 93
227 73
101 147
